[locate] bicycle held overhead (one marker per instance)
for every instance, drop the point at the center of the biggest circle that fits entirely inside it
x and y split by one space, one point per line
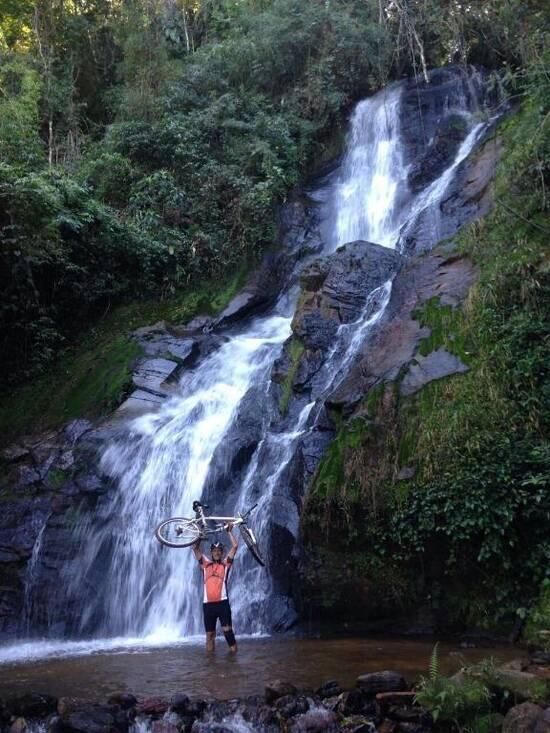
179 532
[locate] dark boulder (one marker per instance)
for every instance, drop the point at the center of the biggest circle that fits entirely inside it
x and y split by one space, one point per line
277 689
152 706
290 705
522 718
316 720
88 719
374 682
179 703
31 705
329 689
124 700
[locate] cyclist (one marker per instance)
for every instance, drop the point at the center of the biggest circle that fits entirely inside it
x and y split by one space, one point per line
215 601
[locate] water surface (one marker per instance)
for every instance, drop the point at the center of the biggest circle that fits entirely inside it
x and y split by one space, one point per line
188 668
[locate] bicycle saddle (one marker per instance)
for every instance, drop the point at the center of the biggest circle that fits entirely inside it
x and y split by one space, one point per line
197 505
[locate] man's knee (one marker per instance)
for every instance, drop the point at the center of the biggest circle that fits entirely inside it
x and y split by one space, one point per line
229 635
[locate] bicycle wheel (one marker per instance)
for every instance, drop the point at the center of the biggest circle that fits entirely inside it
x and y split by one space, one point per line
178 532
250 541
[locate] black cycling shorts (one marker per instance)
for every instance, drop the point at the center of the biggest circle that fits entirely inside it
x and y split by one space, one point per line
214 611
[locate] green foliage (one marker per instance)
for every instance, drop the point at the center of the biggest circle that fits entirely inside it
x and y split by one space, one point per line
434 663
331 479
20 92
64 256
444 323
537 627
295 351
458 702
93 375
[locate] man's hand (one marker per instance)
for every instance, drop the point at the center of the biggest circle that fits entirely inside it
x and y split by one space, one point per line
229 527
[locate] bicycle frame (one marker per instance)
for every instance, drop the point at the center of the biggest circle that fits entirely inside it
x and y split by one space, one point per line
200 516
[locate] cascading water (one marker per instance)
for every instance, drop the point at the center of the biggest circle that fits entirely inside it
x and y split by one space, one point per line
365 199
162 461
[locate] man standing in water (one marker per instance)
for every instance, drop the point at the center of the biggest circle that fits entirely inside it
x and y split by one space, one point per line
216 603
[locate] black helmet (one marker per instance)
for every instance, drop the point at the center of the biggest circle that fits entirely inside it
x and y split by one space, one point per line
216 546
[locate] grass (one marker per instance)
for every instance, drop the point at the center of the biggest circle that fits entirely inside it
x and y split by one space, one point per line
445 324
331 479
90 378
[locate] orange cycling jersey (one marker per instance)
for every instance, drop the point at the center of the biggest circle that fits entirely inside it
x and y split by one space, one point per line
215 579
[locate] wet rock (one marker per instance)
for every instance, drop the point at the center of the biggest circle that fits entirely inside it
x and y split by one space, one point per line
261 288
329 689
426 369
152 706
75 429
164 726
350 702
543 723
522 684
179 703
336 289
522 718
387 726
516 665
31 705
394 344
398 706
540 657
316 720
278 688
199 727
374 682
439 153
196 707
163 340
469 196
151 375
15 452
19 725
357 724
91 720
289 705
125 700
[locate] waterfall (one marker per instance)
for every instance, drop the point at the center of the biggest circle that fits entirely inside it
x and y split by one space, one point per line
161 462
366 197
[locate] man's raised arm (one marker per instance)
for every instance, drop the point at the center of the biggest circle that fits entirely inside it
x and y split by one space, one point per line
197 550
234 543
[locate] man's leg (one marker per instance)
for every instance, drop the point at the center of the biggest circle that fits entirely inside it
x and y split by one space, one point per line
227 627
230 638
210 641
210 618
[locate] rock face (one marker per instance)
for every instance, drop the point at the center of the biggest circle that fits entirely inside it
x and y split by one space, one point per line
335 290
424 369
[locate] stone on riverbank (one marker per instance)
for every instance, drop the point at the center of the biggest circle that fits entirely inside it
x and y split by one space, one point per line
374 682
278 688
522 718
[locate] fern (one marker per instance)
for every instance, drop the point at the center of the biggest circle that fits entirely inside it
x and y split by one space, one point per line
434 663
